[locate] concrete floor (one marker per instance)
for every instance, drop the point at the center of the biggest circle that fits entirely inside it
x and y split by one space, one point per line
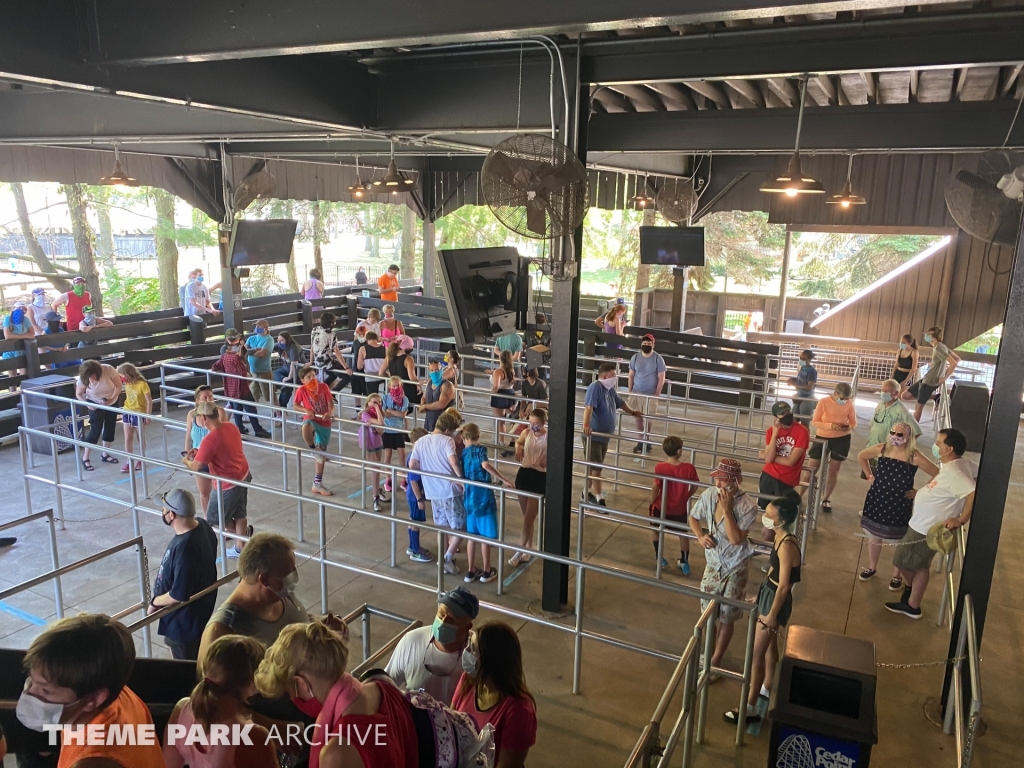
620 688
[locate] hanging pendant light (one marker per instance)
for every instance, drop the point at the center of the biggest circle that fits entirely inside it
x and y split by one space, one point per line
641 200
847 198
360 188
118 178
793 182
394 180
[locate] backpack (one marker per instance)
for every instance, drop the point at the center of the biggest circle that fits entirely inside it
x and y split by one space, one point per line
446 738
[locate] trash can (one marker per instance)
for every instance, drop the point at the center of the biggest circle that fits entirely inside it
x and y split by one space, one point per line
824 714
968 411
41 413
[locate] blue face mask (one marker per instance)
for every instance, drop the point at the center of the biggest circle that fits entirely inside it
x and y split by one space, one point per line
928 338
805 363
445 634
199 279
435 378
840 401
903 345
935 452
261 331
886 397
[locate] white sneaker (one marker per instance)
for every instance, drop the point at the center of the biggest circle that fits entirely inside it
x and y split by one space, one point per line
233 553
450 566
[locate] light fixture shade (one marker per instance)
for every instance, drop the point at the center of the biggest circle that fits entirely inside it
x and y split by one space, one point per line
394 179
642 201
847 198
794 182
118 177
359 188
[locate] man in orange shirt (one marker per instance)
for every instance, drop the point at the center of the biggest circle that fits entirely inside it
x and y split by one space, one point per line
77 674
387 284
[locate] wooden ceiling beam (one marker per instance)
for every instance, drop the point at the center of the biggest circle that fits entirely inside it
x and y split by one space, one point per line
869 82
913 84
1012 73
708 90
854 88
674 92
784 90
747 90
612 101
643 99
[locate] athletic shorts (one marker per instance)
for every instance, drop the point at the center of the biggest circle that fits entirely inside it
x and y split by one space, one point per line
482 525
393 440
449 512
321 434
531 480
838 448
235 502
417 513
131 420
923 392
597 451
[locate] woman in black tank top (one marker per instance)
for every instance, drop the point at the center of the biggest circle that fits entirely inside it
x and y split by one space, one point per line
774 601
906 362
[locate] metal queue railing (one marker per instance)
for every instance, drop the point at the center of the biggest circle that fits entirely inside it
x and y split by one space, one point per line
582 567
963 717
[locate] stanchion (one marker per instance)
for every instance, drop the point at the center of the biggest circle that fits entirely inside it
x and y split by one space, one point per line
323 557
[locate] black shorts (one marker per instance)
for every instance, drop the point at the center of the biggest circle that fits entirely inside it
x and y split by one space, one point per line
531 480
771 486
922 392
393 440
900 375
838 448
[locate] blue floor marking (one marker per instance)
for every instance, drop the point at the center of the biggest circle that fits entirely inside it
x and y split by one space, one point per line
353 495
23 615
148 472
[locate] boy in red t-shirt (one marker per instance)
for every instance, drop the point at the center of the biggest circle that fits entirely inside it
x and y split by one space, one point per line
676 496
315 400
786 442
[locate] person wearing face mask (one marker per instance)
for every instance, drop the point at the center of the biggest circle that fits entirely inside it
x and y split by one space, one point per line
646 377
729 514
948 501
785 445
774 600
493 692
600 405
287 372
937 373
834 420
804 382
39 308
78 669
532 455
907 361
259 346
194 434
430 658
316 402
438 395
236 383
91 321
390 327
197 297
189 565
888 412
226 683
74 301
18 325
889 468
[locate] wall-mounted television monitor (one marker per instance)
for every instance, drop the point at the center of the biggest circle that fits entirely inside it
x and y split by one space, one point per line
262 241
486 290
672 246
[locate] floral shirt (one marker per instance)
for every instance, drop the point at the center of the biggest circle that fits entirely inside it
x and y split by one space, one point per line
725 557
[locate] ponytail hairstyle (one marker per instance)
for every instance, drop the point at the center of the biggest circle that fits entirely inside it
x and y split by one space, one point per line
130 372
228 669
394 349
789 509
911 341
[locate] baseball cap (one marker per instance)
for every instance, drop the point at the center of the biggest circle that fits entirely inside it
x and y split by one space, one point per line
206 408
53 317
808 354
232 333
38 291
462 602
728 469
180 502
649 337
88 308
781 408
77 280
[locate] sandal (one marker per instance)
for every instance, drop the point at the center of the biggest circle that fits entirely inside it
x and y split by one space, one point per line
87 465
108 459
826 506
733 717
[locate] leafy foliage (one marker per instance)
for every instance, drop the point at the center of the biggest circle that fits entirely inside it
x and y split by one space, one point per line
127 294
839 266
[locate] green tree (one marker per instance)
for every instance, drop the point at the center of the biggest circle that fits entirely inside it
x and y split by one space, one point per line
742 246
409 225
52 271
166 247
85 239
839 266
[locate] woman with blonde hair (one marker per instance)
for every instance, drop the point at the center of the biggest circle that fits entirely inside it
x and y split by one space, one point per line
194 435
887 508
503 386
532 455
138 400
390 327
308 662
226 673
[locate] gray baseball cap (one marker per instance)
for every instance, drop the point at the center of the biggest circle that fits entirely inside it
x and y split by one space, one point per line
180 502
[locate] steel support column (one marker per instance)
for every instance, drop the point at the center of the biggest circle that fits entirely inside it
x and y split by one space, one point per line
565 321
780 324
996 462
429 244
230 286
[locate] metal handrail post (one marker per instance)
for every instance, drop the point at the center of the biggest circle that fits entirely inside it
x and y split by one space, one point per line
74 431
577 662
142 454
394 517
24 420
748 664
947 590
499 550
661 531
163 411
707 652
298 493
58 491
58 592
440 564
220 528
689 691
366 635
953 700
25 449
323 557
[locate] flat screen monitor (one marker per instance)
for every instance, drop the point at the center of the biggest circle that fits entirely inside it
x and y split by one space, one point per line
262 241
486 290
672 246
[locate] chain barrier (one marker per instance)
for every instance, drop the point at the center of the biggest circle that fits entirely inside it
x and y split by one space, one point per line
146 582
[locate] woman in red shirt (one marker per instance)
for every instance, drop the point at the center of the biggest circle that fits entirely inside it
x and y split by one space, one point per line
493 690
308 662
676 496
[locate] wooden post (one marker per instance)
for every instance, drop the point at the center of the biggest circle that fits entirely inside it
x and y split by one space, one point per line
32 366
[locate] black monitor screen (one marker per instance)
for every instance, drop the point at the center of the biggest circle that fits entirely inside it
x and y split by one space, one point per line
672 246
262 242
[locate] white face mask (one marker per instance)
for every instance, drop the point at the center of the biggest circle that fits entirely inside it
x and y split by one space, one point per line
767 522
288 584
610 383
470 662
37 714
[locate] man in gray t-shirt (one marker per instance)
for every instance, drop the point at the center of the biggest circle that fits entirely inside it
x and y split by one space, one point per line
938 371
646 377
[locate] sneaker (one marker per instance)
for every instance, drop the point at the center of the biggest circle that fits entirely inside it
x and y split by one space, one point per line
905 609
321 490
125 468
638 448
684 566
404 485
826 506
589 498
450 566
421 557
472 575
233 553
409 551
487 576
602 502
648 447
518 558
138 466
896 584
867 574
263 433
506 453
248 531
664 563
377 504
8 541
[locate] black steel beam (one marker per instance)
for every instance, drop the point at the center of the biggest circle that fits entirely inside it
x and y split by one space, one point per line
881 127
900 43
996 464
193 30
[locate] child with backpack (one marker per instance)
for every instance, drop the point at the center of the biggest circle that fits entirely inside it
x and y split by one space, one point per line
481 510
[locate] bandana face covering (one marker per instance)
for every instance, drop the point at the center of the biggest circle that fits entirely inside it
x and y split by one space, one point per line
78 289
396 394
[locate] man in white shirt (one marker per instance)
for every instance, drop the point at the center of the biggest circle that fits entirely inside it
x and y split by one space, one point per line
948 499
436 453
197 297
430 658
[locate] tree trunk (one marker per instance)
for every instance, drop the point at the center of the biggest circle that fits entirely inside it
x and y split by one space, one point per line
85 238
409 226
643 271
166 249
318 259
374 246
35 250
293 278
105 244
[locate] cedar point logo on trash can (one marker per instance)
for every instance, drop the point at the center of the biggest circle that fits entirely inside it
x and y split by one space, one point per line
293 734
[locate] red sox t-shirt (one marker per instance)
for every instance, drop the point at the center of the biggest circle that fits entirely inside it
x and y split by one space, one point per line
788 438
